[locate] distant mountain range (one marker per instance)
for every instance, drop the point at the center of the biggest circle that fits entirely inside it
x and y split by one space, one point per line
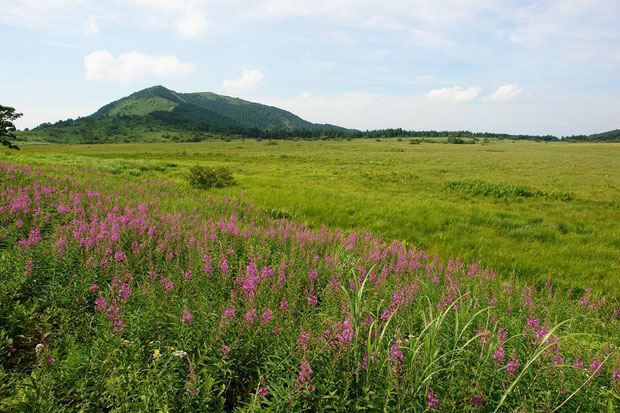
158 113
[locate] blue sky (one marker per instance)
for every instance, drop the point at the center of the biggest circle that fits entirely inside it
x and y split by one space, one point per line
485 65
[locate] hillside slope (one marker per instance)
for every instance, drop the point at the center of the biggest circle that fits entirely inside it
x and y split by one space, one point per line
249 114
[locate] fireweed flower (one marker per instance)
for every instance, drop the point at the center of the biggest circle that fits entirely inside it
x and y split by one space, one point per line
498 355
578 363
229 313
596 367
167 284
532 324
28 271
477 401
365 360
187 274
124 292
502 335
305 375
250 316
263 391
313 301
313 275
100 304
303 339
119 256
118 324
513 366
385 316
187 317
223 265
224 350
485 335
396 356
432 401
207 268
615 377
267 316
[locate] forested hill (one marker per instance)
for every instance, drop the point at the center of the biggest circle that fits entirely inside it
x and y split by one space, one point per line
611 136
158 113
206 107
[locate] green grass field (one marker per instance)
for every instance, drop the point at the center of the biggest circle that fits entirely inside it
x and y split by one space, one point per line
531 210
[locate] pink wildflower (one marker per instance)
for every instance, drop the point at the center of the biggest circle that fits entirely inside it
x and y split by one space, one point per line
263 391
313 275
250 316
499 354
267 316
432 401
596 367
477 401
303 339
305 375
513 366
313 301
187 317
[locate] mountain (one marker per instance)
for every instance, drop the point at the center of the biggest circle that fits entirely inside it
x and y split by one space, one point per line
158 113
243 113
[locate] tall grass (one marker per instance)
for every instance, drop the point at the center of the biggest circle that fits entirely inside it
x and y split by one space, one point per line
503 191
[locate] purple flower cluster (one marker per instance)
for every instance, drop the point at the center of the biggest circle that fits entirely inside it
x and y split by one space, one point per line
432 401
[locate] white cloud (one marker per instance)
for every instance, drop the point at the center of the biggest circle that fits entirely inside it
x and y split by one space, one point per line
91 26
103 66
504 93
249 80
454 94
186 17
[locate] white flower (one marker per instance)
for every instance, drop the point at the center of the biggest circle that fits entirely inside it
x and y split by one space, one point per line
179 353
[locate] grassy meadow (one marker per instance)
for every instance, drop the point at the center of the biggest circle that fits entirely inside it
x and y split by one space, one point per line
532 210
125 292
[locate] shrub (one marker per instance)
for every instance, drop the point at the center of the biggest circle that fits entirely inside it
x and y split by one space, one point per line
459 141
206 177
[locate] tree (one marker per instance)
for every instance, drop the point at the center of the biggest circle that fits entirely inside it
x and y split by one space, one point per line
7 129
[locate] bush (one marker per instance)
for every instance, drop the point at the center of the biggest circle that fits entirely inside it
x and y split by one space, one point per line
207 177
459 141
